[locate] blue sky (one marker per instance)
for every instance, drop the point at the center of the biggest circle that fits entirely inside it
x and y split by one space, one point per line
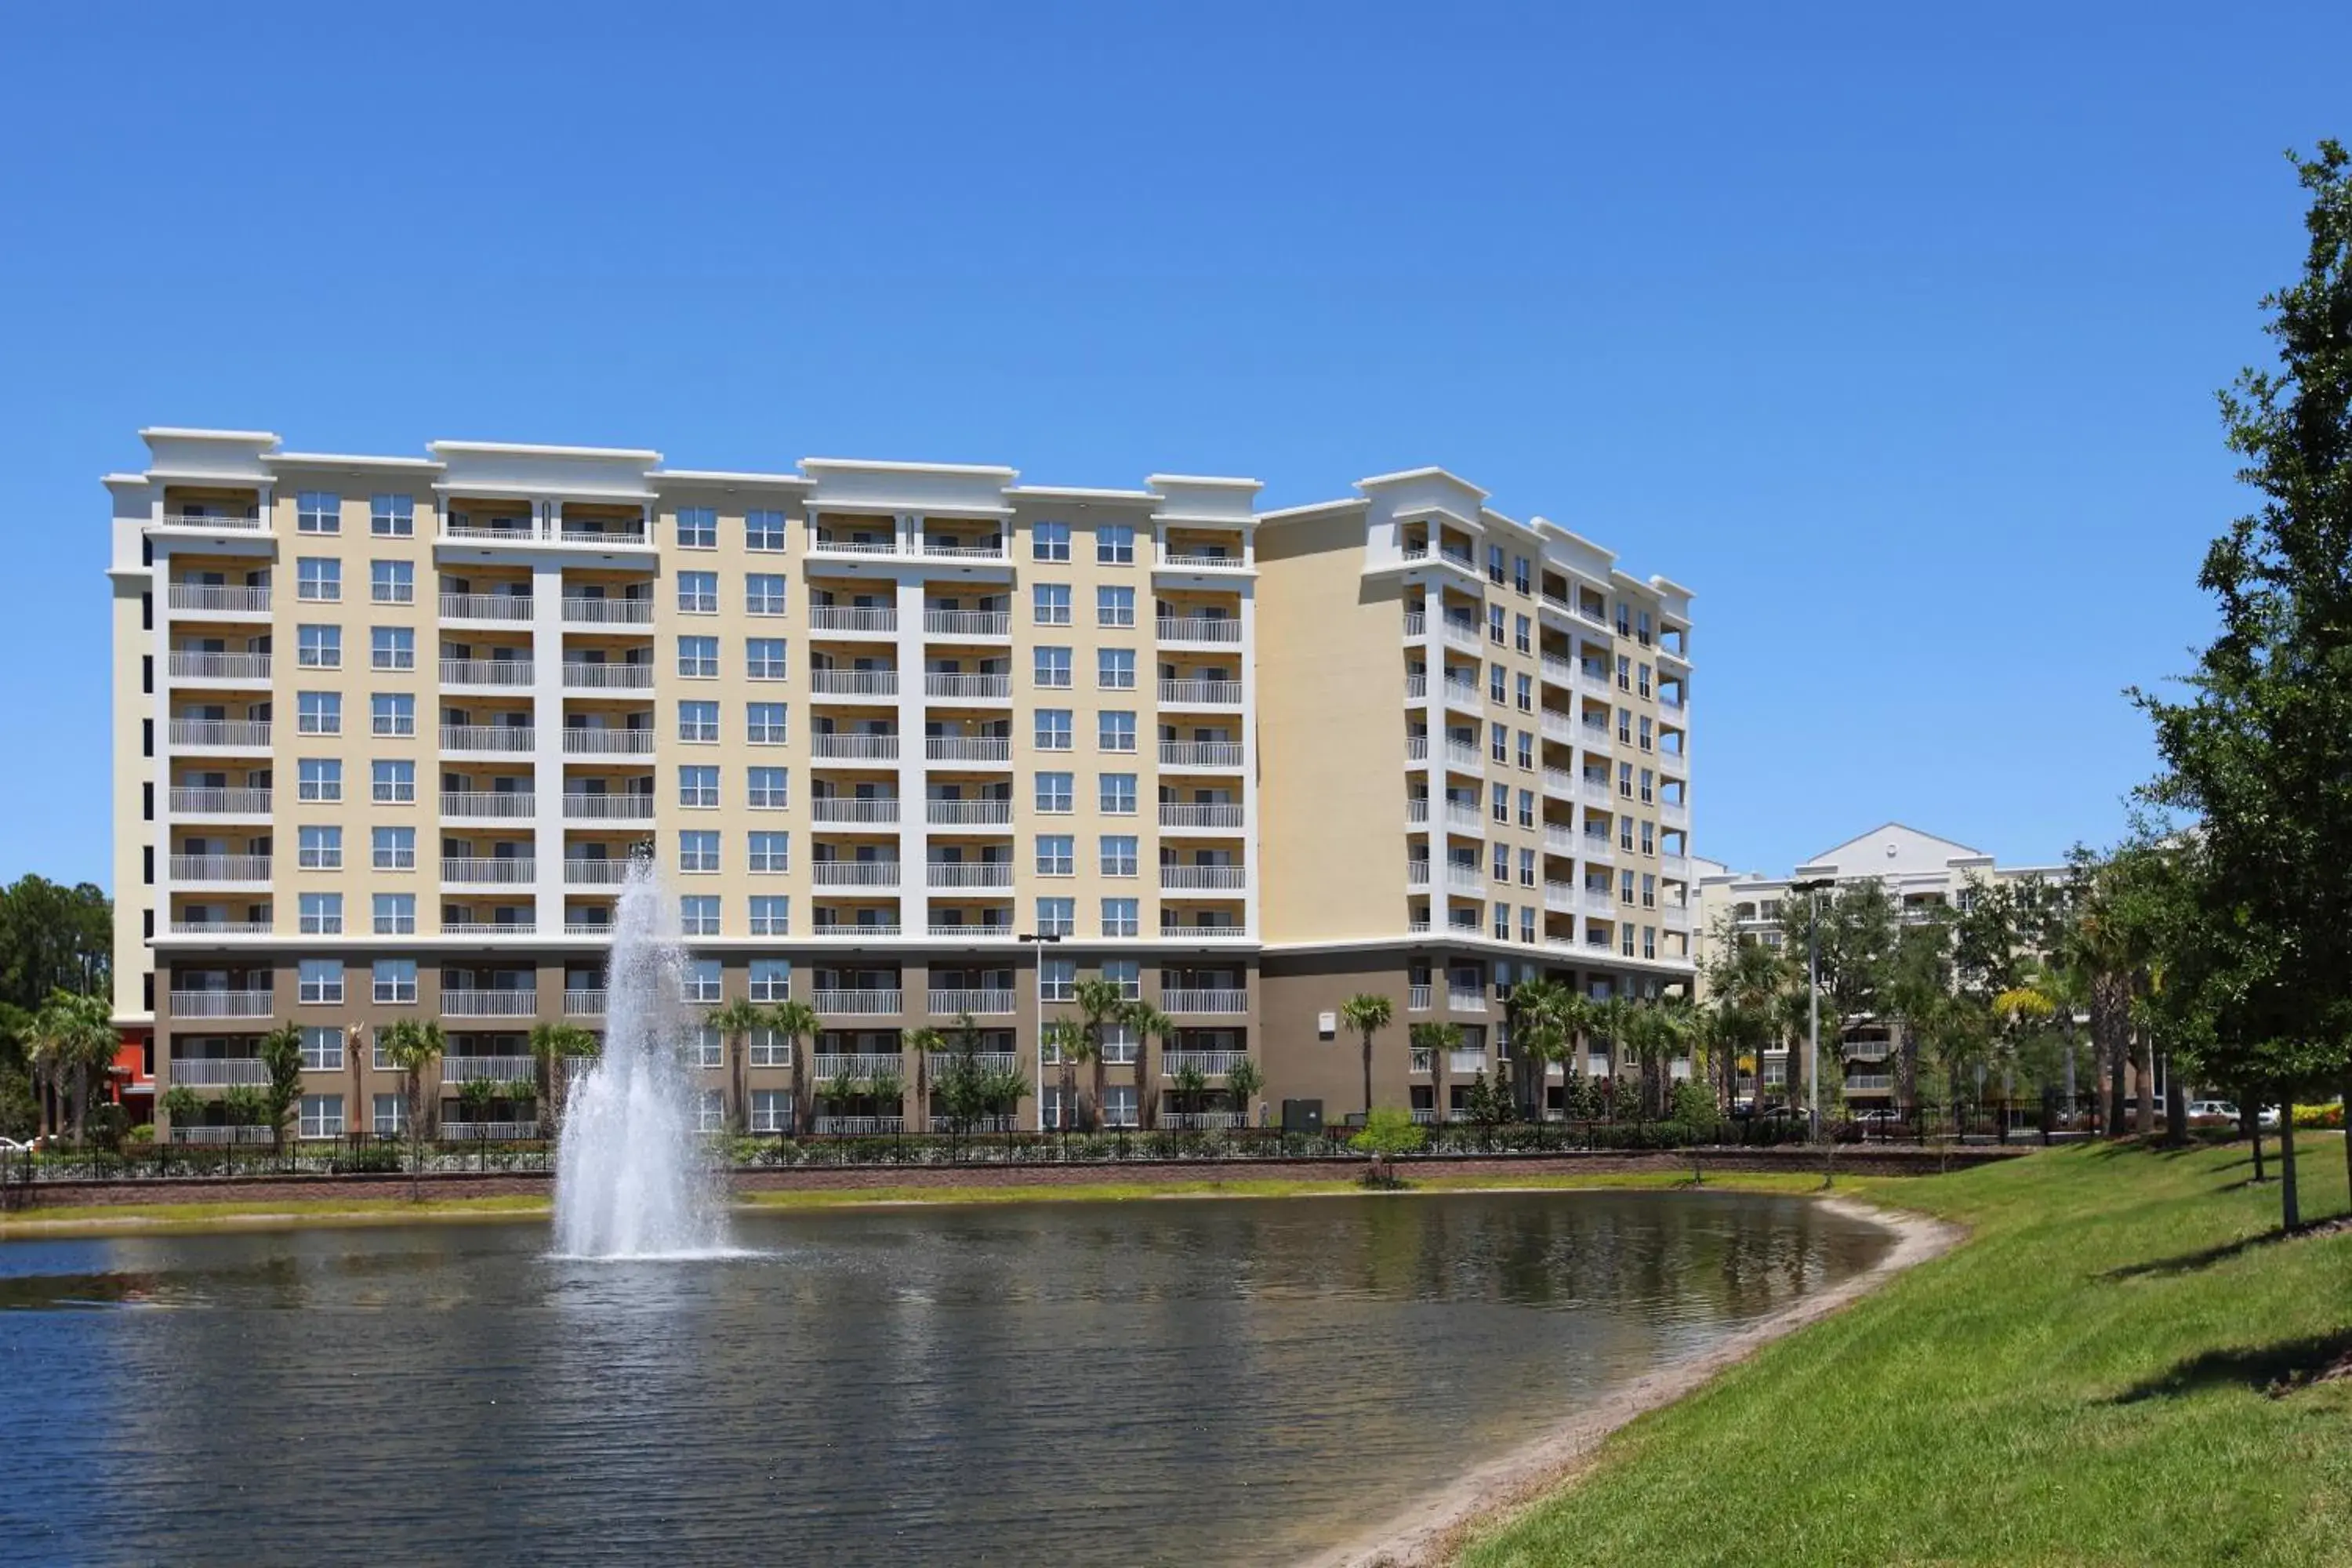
1894 335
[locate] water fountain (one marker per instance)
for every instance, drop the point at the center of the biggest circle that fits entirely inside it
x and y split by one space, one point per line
632 1179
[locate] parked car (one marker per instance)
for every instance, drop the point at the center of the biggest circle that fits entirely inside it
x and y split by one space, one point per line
2212 1113
2267 1118
11 1146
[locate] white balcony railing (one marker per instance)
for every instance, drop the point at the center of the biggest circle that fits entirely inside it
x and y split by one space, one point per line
490 928
968 749
1460 634
967 813
853 873
218 598
458 1068
946 547
217 524
503 805
1199 813
986 1003
237 735
503 672
463 1004
1212 1063
1560 897
1204 560
1200 693
1416 998
1559 782
591 612
829 545
1462 693
967 686
854 746
1463 755
861 1126
584 1004
220 927
582 740
588 675
1416 624
1674 814
1471 999
487 1132
854 809
1193 1000
608 807
485 607
869 1003
968 622
220 867
219 1072
1184 879
602 533
508 737
187 802
488 868
1675 866
186 665
1220 630
844 618
507 530
969 874
220 1003
1416 747
1201 753
853 682
581 871
1465 1062
1869 1082
863 931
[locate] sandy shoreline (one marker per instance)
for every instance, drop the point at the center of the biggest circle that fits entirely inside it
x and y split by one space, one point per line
1432 1531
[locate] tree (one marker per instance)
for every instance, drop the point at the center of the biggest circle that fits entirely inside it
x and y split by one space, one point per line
184 1105
73 1037
1367 1015
798 1022
1101 1003
1242 1082
1148 1023
1190 1083
888 1085
842 1089
1063 1042
1437 1041
735 1020
1387 1134
412 1046
281 1057
926 1043
1745 981
54 937
555 1045
1549 1019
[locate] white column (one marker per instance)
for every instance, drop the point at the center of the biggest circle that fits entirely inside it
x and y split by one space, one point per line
1248 672
913 831
547 742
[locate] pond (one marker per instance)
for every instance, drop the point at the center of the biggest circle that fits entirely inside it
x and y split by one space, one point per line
1176 1380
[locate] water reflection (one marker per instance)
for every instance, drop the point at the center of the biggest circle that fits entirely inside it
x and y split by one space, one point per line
1160 1382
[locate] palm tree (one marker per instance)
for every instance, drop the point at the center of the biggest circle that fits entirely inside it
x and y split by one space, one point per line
281 1057
735 1021
410 1046
1242 1081
843 1088
796 1021
1190 1084
1065 1041
1610 1019
1437 1039
1079 1048
73 1035
555 1046
1149 1024
1546 1019
1367 1015
1101 1004
923 1042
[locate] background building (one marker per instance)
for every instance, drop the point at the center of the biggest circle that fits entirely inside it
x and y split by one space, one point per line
906 740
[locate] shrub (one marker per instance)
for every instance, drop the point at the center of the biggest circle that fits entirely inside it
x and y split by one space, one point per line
142 1133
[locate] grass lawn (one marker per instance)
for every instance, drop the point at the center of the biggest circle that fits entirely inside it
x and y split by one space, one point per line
2091 1378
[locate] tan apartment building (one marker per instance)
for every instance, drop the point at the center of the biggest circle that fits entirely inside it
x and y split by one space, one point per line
907 742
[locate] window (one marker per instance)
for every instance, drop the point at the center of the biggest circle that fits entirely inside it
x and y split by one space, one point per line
764 657
1526 809
1053 729
321 915
391 647
763 529
771 1108
1641 679
1118 855
1498 741
318 713
764 723
1527 868
1115 732
697 720
1526 748
1503 864
322 1049
1049 604
1625 726
1058 916
391 581
697 915
1625 834
317 511
1115 607
1119 1105
1114 544
322 1116
700 981
392 517
392 848
770 852
698 657
1625 938
319 848
697 527
698 850
710 1046
771 981
1051 667
1624 673
1501 796
1115 669
1121 917
319 778
1522 633
1057 978
1056 795
697 786
765 789
319 647
1049 541
1648 840
1526 694
1649 890
395 914
1645 735
391 713
391 1114
1527 922
319 981
1519 577
1649 942
393 784
1495 557
697 593
1494 623
1118 794
771 914
1051 1112
1127 973
396 981
763 594
1498 690
1057 855
1649 786
1625 886
1502 922
1625 780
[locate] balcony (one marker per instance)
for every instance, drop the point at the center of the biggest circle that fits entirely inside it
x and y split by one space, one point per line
1422 1060
1212 1064
599 930
1416 747
1560 782
959 931
1673 814
860 1126
1595 847
967 749
221 1004
220 927
948 1003
220 868
836 545
600 534
1597 901
1676 917
946 547
502 738
1200 753
507 607
584 1004
967 623
868 1004
969 873
854 747
1465 1062
968 688
1465 756
1460 632
492 531
1215 631
1675 866
1200 693
1416 998
493 928
217 599
1200 815
1869 1083
594 612
1195 879
505 673
219 1072
487 1132
221 734
582 741
853 873
1592 736
479 869
492 805
626 807
455 1068
1222 1003
967 813
863 931
208 522
1560 898
1559 725
839 618
581 871
186 802
1470 1000
186 665
490 1004
855 808
588 675
1462 694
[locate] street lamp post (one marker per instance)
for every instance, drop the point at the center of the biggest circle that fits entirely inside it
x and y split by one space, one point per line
1812 892
1045 939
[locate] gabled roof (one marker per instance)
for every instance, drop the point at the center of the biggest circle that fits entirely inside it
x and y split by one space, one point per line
1892 847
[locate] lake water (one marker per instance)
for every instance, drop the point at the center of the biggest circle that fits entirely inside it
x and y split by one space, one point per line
1087 1384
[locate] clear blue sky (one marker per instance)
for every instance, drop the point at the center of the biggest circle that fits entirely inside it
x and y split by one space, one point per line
1892 334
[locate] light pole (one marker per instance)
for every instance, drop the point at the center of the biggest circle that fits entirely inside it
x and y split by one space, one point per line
1043 939
1812 892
